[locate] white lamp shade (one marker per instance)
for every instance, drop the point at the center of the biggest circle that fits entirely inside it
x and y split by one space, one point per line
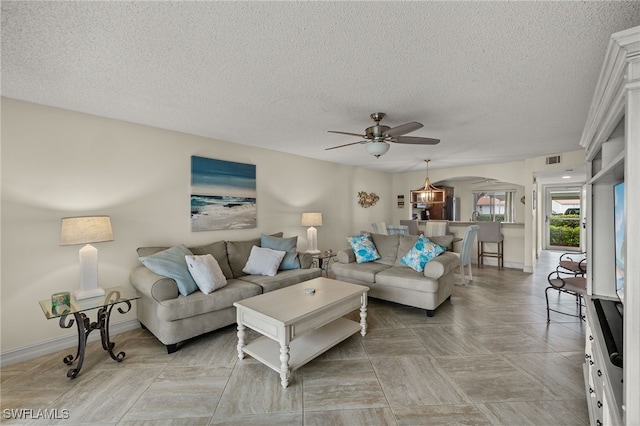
85 230
311 219
377 148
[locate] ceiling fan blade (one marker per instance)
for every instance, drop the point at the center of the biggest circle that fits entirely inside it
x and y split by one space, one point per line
346 133
402 129
347 144
415 140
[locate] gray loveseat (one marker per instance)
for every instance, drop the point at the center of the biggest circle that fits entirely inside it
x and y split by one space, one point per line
391 280
174 318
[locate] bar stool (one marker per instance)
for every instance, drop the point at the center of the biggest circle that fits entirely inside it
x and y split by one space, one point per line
413 226
490 232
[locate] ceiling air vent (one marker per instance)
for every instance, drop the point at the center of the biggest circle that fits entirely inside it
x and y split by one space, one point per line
554 159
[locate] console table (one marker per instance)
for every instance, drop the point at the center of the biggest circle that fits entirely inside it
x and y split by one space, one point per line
78 308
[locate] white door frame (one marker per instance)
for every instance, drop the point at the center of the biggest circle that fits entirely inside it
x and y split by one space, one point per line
547 209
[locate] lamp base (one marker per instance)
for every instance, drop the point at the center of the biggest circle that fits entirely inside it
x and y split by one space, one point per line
88 294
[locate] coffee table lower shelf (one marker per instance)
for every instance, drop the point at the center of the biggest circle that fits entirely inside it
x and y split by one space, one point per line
304 348
299 322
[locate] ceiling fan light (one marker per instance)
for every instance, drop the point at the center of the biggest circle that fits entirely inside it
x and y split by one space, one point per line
377 148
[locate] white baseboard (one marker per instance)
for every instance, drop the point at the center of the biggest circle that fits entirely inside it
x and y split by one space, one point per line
54 345
512 265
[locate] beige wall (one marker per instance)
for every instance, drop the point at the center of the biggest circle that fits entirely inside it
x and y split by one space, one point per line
57 163
519 172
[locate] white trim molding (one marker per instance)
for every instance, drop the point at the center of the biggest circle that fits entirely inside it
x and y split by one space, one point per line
54 345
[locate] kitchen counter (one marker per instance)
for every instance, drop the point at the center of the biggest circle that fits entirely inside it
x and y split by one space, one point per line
504 224
513 242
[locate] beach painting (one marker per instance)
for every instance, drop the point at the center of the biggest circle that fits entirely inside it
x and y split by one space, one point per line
223 195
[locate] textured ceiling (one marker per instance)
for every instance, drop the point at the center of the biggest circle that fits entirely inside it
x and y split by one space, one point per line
495 81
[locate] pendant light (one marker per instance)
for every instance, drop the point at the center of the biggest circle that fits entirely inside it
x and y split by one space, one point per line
428 192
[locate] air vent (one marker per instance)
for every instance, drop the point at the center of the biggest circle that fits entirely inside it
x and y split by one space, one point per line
554 159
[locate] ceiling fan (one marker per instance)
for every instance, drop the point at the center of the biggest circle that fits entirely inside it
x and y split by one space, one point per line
377 137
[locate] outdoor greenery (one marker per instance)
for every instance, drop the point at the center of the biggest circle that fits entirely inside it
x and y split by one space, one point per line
488 218
564 230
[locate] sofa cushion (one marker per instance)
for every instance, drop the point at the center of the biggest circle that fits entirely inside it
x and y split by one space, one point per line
421 253
407 278
289 245
218 250
364 248
283 279
387 246
239 251
263 261
405 243
171 263
358 271
206 272
199 303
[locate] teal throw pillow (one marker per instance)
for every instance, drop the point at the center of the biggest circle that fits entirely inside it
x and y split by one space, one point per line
421 253
171 263
288 245
363 248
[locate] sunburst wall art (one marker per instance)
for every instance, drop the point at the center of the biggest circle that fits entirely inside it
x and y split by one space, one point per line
223 195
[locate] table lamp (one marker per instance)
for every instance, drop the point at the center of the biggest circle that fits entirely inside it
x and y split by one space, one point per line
87 230
312 219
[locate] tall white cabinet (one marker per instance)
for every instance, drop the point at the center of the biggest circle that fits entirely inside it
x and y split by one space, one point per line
613 393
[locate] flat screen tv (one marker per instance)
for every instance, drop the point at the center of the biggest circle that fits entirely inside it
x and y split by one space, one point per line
621 246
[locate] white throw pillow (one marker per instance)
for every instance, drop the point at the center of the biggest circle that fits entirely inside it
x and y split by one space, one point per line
263 261
206 272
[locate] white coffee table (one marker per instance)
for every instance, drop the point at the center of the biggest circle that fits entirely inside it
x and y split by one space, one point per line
298 327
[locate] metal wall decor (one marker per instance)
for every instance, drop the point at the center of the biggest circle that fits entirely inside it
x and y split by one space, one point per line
367 200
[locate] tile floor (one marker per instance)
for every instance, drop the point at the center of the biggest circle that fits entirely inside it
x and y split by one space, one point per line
487 357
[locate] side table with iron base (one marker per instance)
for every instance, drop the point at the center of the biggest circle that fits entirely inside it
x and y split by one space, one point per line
324 260
104 304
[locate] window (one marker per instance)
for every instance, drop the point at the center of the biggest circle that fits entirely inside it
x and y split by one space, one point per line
494 206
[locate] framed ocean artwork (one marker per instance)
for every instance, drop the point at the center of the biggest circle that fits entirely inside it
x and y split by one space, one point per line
223 195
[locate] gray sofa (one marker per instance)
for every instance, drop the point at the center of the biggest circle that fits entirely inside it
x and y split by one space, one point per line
174 318
391 280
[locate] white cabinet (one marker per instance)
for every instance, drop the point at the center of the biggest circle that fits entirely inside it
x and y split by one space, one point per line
613 393
603 380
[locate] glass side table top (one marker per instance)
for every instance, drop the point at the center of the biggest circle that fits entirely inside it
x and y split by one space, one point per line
325 254
113 295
